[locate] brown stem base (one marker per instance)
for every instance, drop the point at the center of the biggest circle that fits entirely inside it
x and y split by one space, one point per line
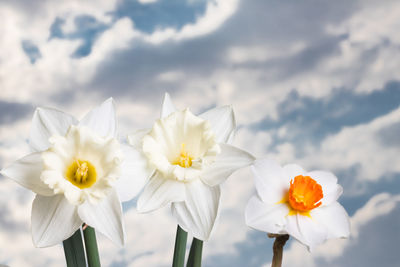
280 241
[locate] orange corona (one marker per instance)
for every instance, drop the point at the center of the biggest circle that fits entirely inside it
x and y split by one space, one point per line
304 193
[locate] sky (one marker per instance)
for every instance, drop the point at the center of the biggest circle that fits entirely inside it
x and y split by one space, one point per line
312 82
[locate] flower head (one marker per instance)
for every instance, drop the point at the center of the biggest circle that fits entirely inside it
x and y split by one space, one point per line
291 201
180 146
82 165
75 170
190 158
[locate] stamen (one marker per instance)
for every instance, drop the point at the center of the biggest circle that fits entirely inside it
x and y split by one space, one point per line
81 174
184 160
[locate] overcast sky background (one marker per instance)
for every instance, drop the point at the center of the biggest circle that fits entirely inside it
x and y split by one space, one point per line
313 82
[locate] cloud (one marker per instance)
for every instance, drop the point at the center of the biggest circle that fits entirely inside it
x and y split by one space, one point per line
147 1
372 39
83 38
12 112
359 145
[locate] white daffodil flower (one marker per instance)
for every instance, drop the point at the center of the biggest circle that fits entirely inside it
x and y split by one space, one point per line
291 201
75 169
190 158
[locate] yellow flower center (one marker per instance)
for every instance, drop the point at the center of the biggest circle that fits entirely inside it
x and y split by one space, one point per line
184 160
81 173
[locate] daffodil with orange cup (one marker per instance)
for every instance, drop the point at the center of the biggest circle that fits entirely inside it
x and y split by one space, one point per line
292 201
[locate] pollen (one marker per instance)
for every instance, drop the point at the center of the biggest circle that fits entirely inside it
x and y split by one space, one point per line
304 195
184 159
81 173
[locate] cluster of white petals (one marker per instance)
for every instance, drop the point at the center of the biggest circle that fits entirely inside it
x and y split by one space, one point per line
271 210
180 132
104 153
80 172
190 157
75 170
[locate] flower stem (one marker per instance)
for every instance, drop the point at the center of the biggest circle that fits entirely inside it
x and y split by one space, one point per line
280 241
195 253
92 252
180 248
74 251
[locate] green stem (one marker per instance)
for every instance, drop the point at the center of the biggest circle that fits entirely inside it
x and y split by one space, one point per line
92 252
195 253
180 248
74 251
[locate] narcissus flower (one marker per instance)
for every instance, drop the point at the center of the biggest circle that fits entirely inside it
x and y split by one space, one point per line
75 169
190 158
291 201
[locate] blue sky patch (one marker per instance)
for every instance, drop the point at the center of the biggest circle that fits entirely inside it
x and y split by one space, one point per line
161 14
87 29
31 50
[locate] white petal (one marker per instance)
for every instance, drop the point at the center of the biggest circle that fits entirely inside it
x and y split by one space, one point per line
292 228
45 123
167 106
334 218
102 119
292 170
54 219
159 192
306 230
26 171
269 218
134 173
105 217
222 122
269 180
198 212
229 160
135 139
328 182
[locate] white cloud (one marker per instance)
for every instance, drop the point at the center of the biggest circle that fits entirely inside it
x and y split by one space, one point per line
360 145
217 12
147 1
150 240
54 71
244 54
57 70
171 76
118 37
365 58
259 144
373 29
364 146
